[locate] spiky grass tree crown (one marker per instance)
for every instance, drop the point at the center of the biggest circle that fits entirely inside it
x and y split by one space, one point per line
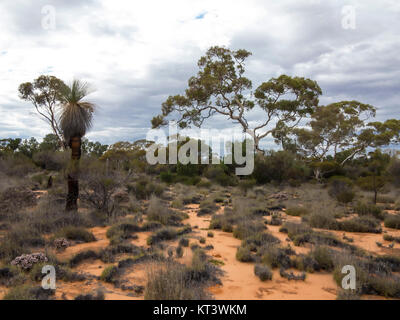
76 115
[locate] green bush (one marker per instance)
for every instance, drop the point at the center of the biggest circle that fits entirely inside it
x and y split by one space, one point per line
243 254
296 211
165 233
263 272
275 257
363 209
392 221
108 274
184 242
76 233
324 257
159 212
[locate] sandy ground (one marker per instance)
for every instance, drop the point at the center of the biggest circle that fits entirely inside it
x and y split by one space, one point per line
238 280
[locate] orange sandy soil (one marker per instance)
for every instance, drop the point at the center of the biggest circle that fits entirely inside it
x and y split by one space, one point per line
238 280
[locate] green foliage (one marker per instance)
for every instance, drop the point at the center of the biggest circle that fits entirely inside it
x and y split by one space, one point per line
363 209
297 211
108 274
75 233
263 272
243 254
392 221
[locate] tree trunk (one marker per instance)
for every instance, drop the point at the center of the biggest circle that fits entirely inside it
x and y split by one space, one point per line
73 183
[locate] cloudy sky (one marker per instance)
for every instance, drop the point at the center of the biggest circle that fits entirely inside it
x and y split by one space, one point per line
136 53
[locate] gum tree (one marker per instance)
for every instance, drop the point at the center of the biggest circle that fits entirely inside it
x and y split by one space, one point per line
75 121
220 88
339 132
45 93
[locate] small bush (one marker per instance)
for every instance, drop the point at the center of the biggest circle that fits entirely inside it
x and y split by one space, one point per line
243 254
121 231
245 229
76 233
166 233
207 207
263 272
363 209
275 257
170 281
392 221
109 273
366 224
184 242
324 257
159 212
297 211
82 256
28 292
179 252
210 234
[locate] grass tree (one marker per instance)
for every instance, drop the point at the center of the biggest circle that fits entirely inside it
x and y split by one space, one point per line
75 120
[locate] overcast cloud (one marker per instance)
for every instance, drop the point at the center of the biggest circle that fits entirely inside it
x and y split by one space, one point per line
136 53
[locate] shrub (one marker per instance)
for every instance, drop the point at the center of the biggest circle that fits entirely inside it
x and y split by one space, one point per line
184 242
364 209
109 273
275 257
179 252
167 177
361 224
143 189
263 272
348 295
392 221
210 234
247 228
202 240
160 213
246 185
324 257
166 233
341 188
260 239
323 221
296 211
99 295
76 233
28 292
81 256
170 281
243 254
121 231
207 207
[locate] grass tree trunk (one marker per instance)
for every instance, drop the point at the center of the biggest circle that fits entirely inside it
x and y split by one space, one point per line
73 182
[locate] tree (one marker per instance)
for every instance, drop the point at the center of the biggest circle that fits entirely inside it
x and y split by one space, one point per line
339 132
29 147
50 143
376 178
333 128
95 149
76 119
45 93
221 88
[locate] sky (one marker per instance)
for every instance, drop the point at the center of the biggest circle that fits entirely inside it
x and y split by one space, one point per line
137 53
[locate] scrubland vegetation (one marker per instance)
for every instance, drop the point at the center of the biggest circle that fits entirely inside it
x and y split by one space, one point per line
105 218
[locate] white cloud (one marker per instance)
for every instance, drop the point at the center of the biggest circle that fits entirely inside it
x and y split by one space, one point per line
138 52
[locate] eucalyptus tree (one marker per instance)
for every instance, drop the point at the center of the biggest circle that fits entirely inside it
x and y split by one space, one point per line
339 132
45 93
220 88
75 120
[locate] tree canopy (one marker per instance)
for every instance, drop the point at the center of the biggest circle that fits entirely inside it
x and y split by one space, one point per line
220 87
